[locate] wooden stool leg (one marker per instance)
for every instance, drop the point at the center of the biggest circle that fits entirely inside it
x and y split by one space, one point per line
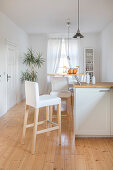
72 101
59 122
51 112
69 105
47 115
25 122
35 130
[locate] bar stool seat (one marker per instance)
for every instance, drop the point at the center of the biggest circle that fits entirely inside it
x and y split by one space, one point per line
34 100
47 100
61 94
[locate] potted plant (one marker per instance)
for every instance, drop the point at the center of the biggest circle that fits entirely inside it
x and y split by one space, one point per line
33 61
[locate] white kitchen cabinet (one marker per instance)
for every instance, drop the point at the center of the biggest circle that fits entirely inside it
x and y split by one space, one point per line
92 112
89 61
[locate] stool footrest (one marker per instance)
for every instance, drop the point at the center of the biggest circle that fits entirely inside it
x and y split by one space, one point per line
47 130
41 122
38 123
53 123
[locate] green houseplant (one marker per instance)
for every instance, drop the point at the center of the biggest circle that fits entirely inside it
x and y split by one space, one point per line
33 60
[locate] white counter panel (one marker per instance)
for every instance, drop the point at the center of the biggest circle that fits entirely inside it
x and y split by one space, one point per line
92 116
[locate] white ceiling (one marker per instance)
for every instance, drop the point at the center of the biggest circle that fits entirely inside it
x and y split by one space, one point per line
49 16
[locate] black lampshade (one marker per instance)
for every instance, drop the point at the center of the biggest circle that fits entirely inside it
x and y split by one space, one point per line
78 35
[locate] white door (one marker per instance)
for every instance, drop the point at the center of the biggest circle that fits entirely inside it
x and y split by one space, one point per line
11 76
92 111
2 77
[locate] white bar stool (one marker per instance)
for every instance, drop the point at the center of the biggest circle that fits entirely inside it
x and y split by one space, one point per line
60 88
34 100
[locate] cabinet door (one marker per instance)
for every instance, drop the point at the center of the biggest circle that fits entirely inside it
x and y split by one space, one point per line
92 112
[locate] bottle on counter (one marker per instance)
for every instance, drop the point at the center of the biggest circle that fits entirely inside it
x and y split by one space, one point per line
88 78
93 80
84 80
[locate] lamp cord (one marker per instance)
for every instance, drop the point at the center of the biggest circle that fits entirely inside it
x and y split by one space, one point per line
68 40
78 14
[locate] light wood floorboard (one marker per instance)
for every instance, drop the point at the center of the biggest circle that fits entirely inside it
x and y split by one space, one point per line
84 154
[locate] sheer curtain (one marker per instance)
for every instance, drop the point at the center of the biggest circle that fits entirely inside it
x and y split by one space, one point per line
73 52
53 54
53 57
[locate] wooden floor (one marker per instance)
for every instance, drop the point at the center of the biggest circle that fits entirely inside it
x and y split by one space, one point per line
84 154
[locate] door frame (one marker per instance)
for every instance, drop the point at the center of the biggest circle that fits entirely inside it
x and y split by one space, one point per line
9 43
3 75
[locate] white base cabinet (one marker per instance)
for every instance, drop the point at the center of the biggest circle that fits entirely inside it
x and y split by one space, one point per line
92 112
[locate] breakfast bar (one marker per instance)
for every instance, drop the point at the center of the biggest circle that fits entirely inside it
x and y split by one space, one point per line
93 109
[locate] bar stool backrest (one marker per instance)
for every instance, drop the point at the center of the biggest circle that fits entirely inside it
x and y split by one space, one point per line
59 83
32 93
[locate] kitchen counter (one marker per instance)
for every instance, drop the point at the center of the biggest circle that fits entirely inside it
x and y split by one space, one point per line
93 109
97 85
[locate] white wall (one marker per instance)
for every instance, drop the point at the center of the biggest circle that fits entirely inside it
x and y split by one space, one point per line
11 32
39 42
107 54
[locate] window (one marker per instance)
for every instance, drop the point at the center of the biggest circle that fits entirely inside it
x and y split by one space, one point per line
57 60
63 63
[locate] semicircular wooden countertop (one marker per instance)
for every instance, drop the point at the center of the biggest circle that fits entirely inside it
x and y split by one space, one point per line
97 85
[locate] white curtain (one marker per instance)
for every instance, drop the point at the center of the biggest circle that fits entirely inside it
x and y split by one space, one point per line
73 52
53 55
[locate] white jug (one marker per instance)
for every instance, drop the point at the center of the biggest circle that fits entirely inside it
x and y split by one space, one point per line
85 77
93 80
88 78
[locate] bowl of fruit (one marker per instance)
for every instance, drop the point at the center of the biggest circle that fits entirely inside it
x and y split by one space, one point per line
72 71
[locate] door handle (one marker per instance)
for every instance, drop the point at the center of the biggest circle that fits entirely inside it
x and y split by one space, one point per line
8 77
104 91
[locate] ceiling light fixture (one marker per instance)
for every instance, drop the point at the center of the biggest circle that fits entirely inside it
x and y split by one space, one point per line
68 30
78 34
